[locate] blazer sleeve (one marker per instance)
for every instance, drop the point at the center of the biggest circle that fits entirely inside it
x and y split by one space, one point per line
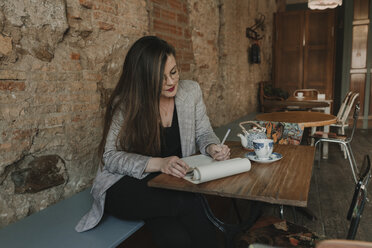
204 133
121 162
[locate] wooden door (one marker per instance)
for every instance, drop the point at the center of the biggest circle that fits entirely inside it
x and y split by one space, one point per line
288 72
319 51
304 50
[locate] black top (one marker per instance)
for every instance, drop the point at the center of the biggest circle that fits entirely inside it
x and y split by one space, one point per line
171 140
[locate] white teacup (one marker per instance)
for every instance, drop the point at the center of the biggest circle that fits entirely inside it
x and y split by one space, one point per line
263 148
300 94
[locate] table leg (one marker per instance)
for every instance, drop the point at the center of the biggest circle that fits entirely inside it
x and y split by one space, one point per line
229 230
307 212
325 145
326 131
313 130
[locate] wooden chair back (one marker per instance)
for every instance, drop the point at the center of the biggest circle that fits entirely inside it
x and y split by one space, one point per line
263 97
307 92
343 105
348 107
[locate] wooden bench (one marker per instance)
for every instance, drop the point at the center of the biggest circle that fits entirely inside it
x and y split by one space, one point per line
55 227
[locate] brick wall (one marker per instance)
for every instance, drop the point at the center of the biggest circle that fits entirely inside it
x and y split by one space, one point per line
56 73
236 89
59 62
170 21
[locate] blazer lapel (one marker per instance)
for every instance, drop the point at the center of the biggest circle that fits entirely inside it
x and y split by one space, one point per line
183 117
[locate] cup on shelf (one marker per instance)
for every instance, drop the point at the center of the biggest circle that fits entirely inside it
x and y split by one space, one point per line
321 96
263 148
300 94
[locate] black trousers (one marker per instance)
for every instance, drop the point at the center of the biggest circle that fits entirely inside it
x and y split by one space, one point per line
175 218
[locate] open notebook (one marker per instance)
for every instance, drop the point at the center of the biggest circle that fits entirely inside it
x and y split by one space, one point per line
206 168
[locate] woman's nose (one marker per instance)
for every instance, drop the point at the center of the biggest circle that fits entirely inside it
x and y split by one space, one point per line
169 80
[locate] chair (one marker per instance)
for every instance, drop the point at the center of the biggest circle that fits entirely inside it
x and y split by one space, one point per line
269 96
342 118
307 92
339 243
359 198
345 142
343 113
312 93
343 106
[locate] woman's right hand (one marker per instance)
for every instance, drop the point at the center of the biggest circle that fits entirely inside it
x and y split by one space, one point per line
170 165
174 166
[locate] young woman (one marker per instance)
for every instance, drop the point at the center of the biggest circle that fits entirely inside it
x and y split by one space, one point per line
152 120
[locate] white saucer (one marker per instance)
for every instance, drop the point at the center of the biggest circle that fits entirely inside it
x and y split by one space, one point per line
300 97
273 157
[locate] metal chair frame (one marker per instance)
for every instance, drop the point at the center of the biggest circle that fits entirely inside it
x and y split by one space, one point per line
359 198
342 116
345 143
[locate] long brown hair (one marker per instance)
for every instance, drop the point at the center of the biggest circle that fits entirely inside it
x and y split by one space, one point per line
137 96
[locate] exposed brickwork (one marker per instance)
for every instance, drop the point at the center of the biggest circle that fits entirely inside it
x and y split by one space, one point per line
50 95
170 21
12 85
228 81
58 70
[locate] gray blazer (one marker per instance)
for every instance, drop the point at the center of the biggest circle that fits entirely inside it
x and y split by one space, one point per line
195 130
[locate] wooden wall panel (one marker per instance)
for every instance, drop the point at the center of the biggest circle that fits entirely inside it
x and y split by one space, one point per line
359 48
361 9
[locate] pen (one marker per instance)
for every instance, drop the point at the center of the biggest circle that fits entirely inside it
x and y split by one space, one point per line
224 138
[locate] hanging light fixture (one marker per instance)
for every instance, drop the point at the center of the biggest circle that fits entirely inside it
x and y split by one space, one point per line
323 4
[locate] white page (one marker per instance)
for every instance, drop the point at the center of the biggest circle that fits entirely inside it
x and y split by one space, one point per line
198 160
207 169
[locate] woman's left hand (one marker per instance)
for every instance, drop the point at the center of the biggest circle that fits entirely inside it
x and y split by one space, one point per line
218 152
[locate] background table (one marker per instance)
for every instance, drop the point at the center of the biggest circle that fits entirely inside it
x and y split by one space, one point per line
304 118
324 104
294 104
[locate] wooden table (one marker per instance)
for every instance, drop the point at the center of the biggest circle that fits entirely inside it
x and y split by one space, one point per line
304 118
284 182
323 104
293 104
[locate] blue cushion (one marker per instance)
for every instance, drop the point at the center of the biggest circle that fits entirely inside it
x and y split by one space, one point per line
55 227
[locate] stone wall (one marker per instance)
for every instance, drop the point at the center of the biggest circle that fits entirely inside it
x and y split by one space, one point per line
229 81
60 59
169 20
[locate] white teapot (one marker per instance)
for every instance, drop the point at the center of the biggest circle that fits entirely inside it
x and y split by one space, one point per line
257 132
